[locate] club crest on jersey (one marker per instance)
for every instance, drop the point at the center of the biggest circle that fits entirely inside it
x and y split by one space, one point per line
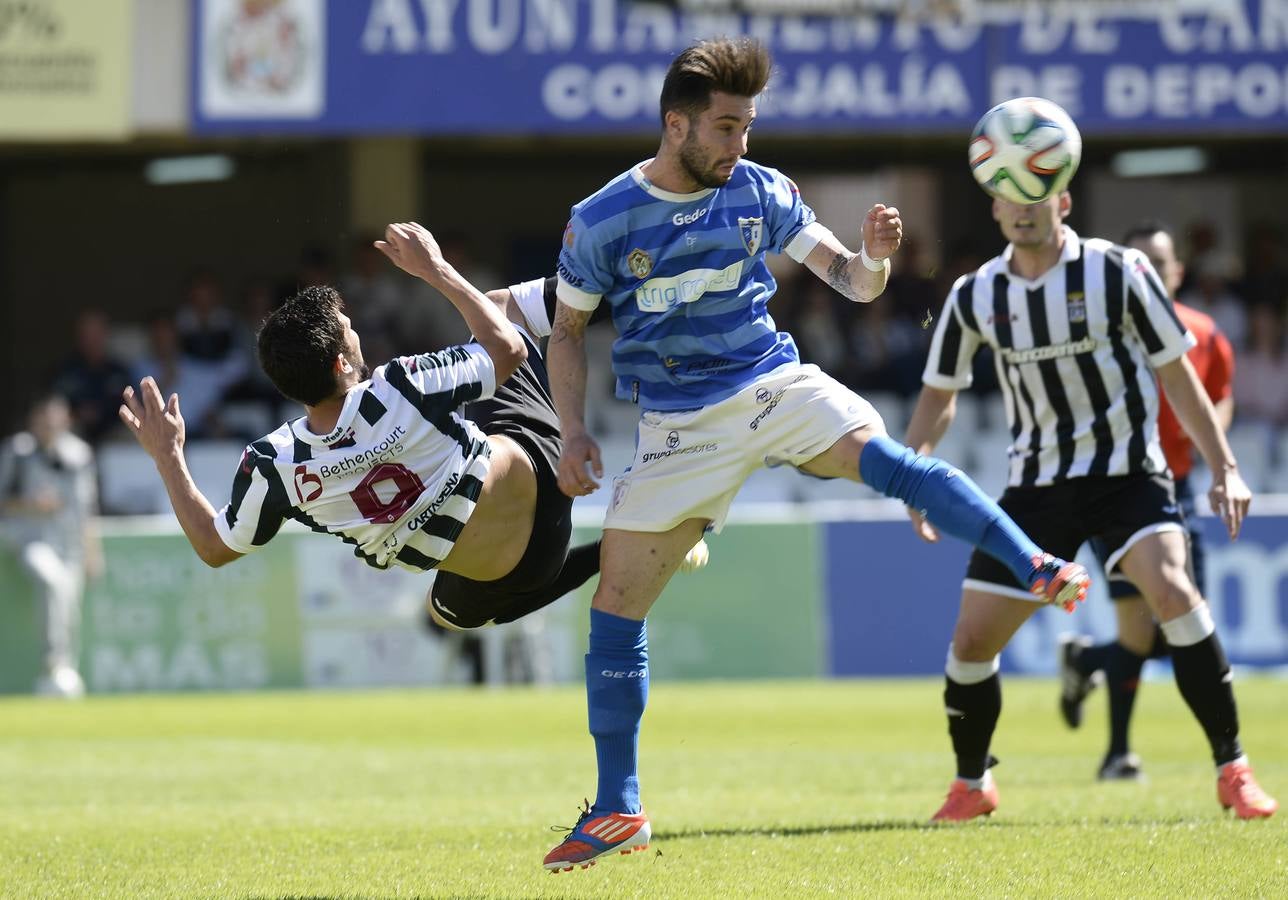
639 262
750 229
1077 307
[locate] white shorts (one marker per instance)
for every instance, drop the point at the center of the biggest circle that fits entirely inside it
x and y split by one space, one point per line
691 464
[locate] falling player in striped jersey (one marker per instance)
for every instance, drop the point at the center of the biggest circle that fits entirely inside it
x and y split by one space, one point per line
440 461
676 248
1079 329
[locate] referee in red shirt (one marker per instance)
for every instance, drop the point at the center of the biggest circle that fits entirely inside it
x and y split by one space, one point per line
1139 637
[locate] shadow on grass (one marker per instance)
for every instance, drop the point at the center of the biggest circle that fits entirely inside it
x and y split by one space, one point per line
797 830
917 825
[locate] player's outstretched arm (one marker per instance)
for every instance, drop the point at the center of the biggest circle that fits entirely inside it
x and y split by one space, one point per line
566 357
1229 496
935 410
413 249
158 427
860 276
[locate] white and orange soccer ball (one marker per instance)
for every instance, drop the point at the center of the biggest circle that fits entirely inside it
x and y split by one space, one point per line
1024 150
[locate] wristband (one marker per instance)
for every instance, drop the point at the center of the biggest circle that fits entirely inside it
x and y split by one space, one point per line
872 265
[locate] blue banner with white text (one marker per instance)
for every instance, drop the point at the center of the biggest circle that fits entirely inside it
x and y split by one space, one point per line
596 66
892 599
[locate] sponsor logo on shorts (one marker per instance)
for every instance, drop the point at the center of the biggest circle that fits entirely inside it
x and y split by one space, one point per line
676 450
773 401
762 395
428 512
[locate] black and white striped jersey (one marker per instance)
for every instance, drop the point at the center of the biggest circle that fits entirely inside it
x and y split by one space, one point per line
1075 352
397 477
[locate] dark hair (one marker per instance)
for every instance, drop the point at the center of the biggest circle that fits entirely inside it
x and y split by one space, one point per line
739 67
1146 228
298 344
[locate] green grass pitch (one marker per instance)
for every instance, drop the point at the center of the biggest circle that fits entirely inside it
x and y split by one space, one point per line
782 789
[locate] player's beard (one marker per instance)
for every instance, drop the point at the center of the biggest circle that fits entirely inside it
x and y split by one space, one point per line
698 166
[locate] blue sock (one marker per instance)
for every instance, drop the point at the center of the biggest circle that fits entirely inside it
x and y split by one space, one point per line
950 500
616 692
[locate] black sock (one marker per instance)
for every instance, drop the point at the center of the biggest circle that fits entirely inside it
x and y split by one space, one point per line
581 565
1160 647
1203 677
974 712
1090 660
1122 677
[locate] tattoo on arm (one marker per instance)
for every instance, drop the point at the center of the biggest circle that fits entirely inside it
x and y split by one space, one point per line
568 323
838 276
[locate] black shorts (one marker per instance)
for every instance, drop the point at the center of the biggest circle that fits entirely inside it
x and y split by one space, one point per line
521 410
1115 510
1121 589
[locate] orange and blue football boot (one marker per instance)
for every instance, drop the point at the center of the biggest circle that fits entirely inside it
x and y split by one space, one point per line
1058 582
596 836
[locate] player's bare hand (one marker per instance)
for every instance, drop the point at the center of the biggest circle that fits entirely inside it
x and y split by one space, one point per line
411 247
927 532
882 231
157 424
580 465
1230 499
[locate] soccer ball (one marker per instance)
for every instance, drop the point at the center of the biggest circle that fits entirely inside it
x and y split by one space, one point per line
1025 150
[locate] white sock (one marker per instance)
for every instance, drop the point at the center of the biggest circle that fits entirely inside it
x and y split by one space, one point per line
979 784
1241 761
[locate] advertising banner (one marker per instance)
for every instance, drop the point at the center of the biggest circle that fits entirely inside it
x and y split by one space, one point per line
779 599
892 600
65 69
596 66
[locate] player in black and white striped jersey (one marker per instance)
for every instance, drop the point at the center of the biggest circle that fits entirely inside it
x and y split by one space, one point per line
1079 328
444 460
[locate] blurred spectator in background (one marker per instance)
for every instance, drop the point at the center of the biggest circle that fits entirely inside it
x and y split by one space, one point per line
912 291
90 379
815 322
1261 381
251 405
316 268
1265 275
428 320
48 497
177 372
209 335
888 350
207 327
375 299
1211 293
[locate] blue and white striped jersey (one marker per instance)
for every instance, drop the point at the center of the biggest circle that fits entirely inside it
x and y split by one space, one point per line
686 278
397 477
